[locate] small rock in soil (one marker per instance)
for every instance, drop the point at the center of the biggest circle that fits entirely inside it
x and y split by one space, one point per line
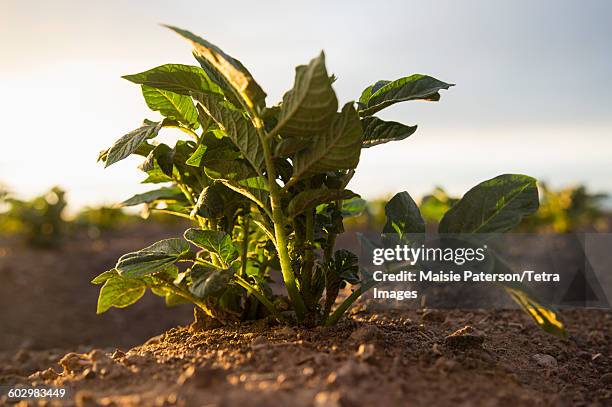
73 362
202 377
465 338
365 333
545 361
327 399
365 351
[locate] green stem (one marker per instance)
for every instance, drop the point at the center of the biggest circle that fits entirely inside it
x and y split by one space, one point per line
189 297
308 258
279 226
348 301
245 246
261 297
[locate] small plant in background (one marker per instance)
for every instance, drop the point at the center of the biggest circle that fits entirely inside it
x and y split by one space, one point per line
567 210
39 220
266 189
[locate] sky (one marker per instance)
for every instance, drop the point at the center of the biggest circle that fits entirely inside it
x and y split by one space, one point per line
533 93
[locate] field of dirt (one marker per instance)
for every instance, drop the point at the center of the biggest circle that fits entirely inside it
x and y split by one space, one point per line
147 355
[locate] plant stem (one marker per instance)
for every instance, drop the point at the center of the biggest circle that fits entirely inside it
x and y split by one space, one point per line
348 301
279 226
261 297
169 285
308 258
245 246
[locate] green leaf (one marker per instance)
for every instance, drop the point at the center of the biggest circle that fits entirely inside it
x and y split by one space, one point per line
213 241
177 78
403 216
310 106
230 68
171 105
120 292
336 149
211 282
353 207
256 189
150 196
238 129
493 206
101 278
196 158
130 142
210 203
310 198
386 93
377 131
152 259
289 146
160 157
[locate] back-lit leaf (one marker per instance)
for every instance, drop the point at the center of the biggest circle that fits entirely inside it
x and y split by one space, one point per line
309 108
385 93
120 292
238 129
311 198
336 149
230 68
154 195
130 142
152 259
177 78
214 241
377 131
171 105
493 206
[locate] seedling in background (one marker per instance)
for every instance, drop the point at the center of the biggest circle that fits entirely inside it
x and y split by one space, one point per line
266 189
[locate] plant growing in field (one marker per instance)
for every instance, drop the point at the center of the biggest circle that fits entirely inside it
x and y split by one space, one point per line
266 189
40 219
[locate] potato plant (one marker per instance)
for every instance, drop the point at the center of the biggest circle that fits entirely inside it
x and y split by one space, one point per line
266 189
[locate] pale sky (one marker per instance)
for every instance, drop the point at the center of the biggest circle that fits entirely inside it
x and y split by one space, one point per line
533 91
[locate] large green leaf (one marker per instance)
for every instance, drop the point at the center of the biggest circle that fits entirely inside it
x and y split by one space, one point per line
336 149
385 93
230 68
493 206
152 259
210 203
403 216
310 106
377 131
171 105
310 198
130 142
177 78
154 195
214 241
238 129
120 292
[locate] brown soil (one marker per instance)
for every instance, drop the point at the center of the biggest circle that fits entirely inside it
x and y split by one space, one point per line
412 358
47 301
50 334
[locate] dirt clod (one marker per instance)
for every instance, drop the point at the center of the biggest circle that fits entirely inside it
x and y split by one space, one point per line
464 338
545 361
